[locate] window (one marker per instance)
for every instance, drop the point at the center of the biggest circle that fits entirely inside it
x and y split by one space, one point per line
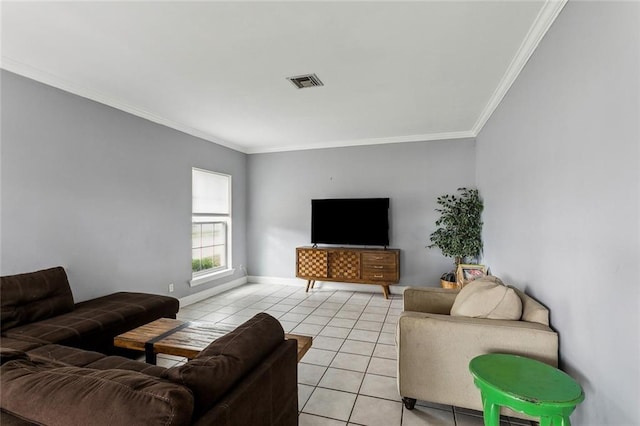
210 223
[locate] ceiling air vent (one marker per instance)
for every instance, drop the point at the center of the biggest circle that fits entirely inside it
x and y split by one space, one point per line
304 81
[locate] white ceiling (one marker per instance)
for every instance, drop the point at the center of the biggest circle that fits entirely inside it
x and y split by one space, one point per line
392 71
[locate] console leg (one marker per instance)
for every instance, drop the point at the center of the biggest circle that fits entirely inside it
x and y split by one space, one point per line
385 290
313 283
308 285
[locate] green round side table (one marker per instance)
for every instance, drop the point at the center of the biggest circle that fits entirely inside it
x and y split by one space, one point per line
524 385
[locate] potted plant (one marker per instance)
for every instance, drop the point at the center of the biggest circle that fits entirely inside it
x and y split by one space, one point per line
459 229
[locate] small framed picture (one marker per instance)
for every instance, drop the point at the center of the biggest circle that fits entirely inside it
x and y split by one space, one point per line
469 272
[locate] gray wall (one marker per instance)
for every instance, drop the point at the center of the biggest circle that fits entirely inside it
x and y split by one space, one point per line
412 175
558 167
103 193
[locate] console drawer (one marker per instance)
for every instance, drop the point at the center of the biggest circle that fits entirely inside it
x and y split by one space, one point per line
380 276
384 268
379 258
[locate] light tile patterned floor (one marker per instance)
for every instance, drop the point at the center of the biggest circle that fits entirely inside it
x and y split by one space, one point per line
348 376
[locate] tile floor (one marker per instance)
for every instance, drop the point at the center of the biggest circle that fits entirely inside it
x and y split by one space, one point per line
348 377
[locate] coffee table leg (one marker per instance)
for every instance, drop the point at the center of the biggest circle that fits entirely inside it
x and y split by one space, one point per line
149 354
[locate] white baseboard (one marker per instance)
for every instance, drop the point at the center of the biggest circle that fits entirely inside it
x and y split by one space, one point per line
201 295
319 285
258 279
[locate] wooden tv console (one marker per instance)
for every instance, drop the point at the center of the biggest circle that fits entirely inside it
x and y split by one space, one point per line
349 265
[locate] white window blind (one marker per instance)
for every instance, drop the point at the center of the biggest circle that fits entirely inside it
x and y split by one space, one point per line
210 192
211 225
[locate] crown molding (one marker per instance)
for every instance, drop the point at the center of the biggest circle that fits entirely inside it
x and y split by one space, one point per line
539 28
361 142
85 92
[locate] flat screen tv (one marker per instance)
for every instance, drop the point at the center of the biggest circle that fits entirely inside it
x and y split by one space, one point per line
350 221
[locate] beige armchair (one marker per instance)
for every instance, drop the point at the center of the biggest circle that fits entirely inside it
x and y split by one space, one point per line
434 348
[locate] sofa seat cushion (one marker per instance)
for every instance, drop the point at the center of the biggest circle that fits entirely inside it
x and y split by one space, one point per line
228 359
104 316
45 393
21 345
132 309
126 304
65 355
34 296
67 328
8 354
122 363
487 297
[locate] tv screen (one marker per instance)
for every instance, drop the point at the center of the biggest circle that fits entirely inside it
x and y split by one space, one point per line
350 221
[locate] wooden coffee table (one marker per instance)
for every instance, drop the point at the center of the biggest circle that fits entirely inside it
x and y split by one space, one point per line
183 338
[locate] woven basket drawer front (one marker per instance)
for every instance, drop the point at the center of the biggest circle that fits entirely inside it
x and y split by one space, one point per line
312 263
344 265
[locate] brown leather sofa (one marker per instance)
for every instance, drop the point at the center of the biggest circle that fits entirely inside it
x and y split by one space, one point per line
37 308
247 377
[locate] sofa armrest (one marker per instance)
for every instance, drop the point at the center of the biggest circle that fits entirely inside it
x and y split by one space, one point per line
434 352
429 299
223 363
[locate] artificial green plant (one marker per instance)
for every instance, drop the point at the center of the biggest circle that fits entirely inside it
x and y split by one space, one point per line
459 228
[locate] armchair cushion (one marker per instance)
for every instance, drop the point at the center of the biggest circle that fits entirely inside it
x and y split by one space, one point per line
532 310
488 298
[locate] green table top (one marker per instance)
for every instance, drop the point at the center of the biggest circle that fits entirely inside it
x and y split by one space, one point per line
526 379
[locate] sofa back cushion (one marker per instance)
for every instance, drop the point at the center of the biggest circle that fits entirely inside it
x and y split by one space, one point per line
487 297
532 310
227 360
59 395
34 296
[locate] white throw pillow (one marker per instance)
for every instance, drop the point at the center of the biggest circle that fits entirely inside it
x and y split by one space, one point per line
487 297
